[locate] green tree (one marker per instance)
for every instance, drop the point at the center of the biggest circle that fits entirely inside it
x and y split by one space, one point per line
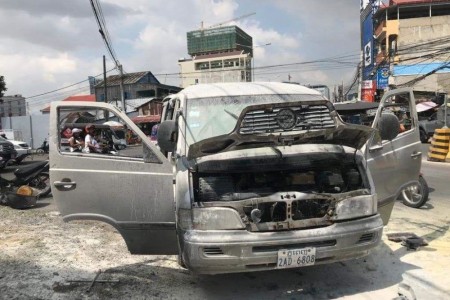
2 86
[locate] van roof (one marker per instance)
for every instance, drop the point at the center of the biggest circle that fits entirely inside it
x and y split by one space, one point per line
246 89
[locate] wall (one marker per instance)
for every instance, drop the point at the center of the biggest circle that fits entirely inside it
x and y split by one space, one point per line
190 76
417 31
34 128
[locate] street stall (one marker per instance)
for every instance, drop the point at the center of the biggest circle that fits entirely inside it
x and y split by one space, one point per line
145 123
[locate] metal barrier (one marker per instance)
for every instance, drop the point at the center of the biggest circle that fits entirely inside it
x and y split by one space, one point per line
439 149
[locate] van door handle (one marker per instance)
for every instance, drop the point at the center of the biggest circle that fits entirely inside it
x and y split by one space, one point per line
416 154
65 185
375 148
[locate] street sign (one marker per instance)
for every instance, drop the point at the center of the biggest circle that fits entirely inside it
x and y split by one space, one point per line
383 77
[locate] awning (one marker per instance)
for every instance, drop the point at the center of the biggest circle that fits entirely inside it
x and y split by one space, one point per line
423 106
146 119
113 124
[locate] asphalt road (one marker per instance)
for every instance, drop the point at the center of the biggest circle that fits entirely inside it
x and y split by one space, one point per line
426 270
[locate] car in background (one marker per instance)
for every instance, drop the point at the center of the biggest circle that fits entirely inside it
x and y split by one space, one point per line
433 122
22 149
7 152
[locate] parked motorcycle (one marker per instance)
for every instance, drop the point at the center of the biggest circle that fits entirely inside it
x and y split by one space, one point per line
31 183
416 195
43 148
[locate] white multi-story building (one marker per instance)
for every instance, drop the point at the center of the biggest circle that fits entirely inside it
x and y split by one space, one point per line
12 106
217 55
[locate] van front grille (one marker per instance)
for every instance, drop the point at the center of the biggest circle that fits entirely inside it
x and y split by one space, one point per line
306 117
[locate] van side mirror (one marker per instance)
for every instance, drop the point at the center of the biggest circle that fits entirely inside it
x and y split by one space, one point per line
167 135
388 126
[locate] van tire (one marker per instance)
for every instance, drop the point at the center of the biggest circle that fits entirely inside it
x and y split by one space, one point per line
416 196
181 261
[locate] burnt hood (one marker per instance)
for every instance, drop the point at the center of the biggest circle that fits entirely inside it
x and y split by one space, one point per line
285 124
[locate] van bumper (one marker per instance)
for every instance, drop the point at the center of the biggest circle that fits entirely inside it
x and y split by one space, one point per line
229 251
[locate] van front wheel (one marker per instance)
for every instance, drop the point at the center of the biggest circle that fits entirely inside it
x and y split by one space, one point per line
417 195
180 257
181 261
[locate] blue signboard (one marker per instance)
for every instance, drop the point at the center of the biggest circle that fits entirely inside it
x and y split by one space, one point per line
383 77
367 45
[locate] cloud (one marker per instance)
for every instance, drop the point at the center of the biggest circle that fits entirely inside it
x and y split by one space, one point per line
72 8
60 25
57 65
330 24
50 44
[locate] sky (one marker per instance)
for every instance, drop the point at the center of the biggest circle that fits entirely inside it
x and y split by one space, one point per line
46 45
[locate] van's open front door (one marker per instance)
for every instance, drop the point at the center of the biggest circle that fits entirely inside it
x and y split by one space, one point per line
129 187
395 164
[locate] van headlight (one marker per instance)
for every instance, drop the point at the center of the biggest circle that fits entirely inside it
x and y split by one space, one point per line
209 218
355 207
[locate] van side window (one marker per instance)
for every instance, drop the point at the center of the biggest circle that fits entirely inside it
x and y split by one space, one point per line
399 105
169 109
100 133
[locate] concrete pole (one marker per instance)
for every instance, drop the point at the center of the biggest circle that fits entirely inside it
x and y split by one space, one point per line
445 110
122 96
104 80
360 75
253 67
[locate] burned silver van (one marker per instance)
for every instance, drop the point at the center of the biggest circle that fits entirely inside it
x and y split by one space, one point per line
245 177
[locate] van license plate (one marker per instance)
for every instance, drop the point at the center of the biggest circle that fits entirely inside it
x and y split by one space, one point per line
294 258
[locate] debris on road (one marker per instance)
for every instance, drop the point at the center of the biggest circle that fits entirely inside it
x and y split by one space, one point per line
410 240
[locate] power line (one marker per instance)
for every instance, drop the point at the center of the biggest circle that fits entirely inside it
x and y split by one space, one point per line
58 95
311 64
103 30
325 60
56 90
419 78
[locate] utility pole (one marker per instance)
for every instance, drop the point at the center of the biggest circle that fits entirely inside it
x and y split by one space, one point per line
360 66
122 96
445 110
253 58
104 79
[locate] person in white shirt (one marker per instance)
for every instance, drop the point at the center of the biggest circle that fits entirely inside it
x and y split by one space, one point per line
90 143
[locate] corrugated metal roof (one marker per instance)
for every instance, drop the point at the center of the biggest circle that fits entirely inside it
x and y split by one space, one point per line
405 2
89 98
133 104
128 78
